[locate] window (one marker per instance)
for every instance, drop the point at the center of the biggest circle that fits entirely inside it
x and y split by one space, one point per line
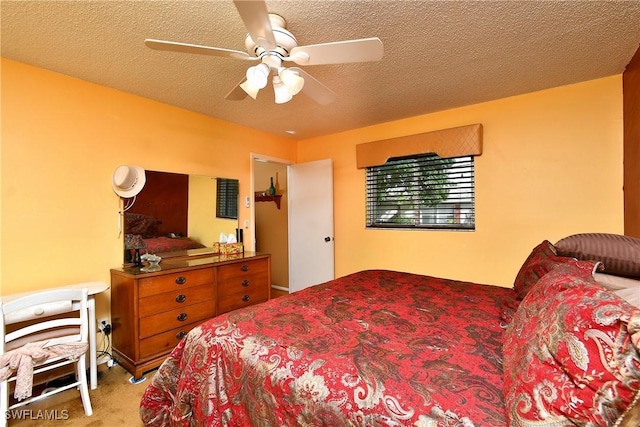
422 192
227 198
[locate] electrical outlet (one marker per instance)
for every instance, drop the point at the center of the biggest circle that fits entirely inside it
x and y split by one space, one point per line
102 323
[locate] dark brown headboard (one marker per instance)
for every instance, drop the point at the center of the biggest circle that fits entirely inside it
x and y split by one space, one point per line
165 196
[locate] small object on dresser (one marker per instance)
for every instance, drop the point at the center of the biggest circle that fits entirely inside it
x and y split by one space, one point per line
135 242
272 189
137 261
231 248
153 260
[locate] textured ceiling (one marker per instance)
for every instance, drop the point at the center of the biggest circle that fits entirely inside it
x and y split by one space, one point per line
437 54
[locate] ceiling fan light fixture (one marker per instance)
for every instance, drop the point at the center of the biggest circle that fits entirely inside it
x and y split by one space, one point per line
292 80
251 90
281 92
258 75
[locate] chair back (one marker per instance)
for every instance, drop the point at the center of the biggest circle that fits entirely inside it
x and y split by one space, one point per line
47 318
71 324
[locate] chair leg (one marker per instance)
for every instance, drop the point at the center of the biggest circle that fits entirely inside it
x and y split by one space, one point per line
4 402
84 388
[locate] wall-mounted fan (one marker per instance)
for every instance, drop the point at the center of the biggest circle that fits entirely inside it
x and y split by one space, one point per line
269 43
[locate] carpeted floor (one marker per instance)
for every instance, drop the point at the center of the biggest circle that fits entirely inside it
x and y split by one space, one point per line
115 403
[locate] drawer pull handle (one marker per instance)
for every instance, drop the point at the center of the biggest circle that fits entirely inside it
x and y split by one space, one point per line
181 280
181 298
245 283
244 267
181 335
245 298
182 317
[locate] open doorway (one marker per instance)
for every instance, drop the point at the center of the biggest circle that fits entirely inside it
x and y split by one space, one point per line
271 218
296 227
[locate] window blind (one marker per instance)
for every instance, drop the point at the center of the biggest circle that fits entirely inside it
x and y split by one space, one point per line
423 191
227 198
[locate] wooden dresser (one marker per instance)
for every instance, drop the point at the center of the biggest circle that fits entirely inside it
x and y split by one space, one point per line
152 311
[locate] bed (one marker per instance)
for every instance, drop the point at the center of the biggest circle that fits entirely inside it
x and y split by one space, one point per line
154 238
160 244
387 348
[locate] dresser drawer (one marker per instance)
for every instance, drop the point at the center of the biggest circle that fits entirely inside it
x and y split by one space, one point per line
163 343
167 320
174 281
228 301
182 297
240 269
243 284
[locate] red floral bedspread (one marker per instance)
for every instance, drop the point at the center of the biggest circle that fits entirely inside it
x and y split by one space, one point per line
375 348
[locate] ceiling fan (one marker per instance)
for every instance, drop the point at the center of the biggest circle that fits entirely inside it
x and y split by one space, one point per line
269 43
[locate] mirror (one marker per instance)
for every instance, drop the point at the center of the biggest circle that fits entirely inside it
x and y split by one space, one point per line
175 213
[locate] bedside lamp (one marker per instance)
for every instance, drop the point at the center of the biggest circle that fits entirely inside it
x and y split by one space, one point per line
135 242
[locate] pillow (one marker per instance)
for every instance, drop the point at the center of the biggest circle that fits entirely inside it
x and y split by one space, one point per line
628 289
540 261
614 283
571 353
145 225
619 254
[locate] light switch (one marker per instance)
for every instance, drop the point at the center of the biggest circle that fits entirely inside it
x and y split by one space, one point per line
246 223
247 202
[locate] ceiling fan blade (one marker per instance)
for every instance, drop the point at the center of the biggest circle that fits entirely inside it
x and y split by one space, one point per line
361 50
255 16
314 89
197 49
237 93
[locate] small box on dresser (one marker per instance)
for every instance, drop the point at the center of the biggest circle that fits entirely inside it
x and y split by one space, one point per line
152 311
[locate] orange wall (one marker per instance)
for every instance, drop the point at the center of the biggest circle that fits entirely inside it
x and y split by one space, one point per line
62 138
551 166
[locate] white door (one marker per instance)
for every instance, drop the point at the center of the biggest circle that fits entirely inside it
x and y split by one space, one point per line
310 207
